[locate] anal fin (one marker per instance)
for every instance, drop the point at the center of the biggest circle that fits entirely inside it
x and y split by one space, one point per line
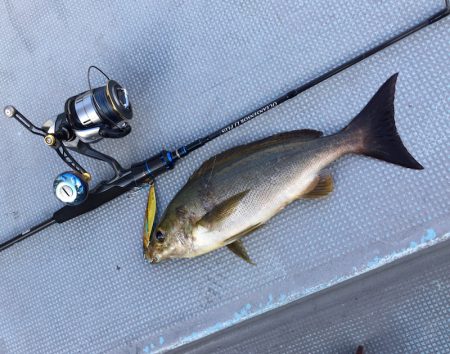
320 187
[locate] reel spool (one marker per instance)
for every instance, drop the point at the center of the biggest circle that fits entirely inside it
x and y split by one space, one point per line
102 112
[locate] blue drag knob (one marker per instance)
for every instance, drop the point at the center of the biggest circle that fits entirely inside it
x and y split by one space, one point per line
71 188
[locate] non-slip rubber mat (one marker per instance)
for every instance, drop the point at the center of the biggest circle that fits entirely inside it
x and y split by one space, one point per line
400 309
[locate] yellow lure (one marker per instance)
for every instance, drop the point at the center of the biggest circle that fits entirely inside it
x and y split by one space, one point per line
150 214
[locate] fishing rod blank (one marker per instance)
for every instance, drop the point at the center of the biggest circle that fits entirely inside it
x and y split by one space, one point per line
146 171
35 229
434 18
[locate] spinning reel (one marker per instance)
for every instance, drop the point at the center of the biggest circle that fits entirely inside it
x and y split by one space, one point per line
102 112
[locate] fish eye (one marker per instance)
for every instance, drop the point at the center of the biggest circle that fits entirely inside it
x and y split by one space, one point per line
160 236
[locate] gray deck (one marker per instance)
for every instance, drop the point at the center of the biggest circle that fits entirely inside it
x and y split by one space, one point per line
192 67
399 308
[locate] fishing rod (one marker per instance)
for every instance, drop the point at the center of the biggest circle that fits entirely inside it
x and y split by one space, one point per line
105 112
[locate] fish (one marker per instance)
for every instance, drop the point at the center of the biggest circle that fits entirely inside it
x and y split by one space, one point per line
237 191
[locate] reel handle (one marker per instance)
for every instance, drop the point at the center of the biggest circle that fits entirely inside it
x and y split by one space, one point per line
12 112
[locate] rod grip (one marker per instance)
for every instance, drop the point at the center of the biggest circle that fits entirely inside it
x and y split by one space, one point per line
92 202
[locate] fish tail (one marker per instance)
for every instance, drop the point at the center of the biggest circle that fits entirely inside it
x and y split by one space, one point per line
373 131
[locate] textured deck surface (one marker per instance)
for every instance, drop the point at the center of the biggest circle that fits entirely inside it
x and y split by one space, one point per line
399 308
191 67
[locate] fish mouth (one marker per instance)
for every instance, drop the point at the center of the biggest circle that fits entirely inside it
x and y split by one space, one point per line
151 258
155 259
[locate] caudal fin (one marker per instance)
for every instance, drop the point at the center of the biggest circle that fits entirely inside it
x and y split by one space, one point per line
375 126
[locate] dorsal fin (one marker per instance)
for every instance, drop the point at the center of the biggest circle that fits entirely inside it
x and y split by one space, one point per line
236 152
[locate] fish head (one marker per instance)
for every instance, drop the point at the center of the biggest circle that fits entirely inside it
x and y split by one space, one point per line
171 237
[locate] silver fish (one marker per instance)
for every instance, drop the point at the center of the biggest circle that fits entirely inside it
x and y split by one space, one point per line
239 190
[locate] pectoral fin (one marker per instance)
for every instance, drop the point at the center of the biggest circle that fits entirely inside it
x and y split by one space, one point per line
221 211
237 247
321 186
